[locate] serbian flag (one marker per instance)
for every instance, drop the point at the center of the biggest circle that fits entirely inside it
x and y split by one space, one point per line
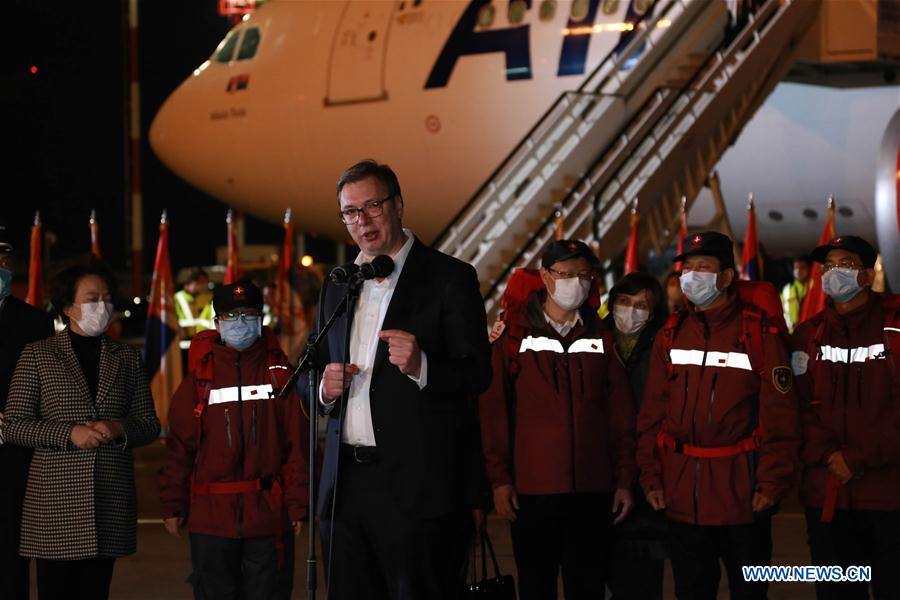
161 352
35 272
751 266
631 255
95 234
288 308
814 302
682 235
232 271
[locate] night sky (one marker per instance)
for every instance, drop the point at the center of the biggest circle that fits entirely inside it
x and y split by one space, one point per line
64 128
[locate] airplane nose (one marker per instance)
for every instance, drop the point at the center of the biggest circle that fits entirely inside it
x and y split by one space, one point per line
164 133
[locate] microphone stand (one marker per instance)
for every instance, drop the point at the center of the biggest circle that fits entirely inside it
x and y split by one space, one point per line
310 362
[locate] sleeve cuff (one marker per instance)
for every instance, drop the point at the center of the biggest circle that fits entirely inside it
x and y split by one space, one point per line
422 379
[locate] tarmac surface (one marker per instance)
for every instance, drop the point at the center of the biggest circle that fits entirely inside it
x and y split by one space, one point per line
162 564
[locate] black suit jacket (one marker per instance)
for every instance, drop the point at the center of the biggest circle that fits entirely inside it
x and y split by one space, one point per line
422 435
20 324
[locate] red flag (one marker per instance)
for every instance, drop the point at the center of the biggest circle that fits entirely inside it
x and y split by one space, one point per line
631 255
35 272
232 271
95 234
751 266
288 307
161 352
814 302
683 233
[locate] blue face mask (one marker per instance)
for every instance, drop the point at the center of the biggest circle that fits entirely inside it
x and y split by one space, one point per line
841 284
5 283
241 333
700 287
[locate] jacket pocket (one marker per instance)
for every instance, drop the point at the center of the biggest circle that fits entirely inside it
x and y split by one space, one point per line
228 428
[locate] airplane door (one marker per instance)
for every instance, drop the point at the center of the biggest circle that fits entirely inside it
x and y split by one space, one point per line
357 62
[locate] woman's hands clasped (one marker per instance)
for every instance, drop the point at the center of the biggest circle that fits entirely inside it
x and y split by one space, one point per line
93 434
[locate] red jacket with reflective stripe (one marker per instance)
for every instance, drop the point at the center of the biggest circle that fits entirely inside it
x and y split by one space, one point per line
256 436
850 403
565 422
712 397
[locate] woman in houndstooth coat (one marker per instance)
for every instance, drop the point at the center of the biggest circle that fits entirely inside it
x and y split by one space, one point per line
82 401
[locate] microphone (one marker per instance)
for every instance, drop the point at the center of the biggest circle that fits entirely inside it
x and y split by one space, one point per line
381 266
342 273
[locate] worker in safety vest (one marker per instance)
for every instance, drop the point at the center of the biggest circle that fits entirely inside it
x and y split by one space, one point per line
190 303
845 360
719 430
794 292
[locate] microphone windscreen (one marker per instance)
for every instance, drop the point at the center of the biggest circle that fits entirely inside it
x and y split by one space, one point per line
342 273
382 265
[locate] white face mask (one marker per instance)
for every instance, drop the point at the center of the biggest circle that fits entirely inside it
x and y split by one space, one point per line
570 293
700 287
95 317
630 320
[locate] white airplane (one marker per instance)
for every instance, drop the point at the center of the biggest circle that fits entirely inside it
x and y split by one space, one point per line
443 90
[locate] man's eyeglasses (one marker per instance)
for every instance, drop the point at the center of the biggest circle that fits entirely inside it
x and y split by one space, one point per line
372 208
582 275
232 316
844 264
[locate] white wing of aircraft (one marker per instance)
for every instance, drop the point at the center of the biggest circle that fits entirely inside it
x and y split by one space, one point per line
443 90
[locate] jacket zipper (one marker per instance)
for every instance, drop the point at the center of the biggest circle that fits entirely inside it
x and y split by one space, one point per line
253 425
694 423
240 497
684 403
565 360
228 427
712 399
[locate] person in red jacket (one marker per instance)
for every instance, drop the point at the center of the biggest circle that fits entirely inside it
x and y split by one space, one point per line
236 467
719 430
845 360
558 432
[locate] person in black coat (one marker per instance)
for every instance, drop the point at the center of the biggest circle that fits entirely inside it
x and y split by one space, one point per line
20 324
397 450
637 311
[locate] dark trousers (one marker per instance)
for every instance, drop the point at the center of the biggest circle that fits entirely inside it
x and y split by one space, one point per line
639 553
695 551
377 552
858 538
241 569
568 532
13 568
86 579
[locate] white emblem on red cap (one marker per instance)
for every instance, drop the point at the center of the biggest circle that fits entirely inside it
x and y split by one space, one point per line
836 240
696 241
238 291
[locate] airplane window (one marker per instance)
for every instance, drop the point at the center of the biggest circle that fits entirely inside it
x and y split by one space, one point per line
547 10
610 7
776 215
579 10
249 44
845 211
810 213
226 48
641 6
486 15
516 11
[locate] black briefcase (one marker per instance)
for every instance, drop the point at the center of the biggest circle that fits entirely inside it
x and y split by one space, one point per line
484 587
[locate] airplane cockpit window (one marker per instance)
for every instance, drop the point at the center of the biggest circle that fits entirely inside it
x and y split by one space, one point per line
249 44
226 48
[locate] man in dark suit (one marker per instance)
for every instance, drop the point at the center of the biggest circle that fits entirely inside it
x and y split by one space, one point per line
20 324
398 423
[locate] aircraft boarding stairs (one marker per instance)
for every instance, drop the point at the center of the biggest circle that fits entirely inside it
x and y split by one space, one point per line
651 132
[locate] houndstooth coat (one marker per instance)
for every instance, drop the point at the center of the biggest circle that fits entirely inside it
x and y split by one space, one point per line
78 503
